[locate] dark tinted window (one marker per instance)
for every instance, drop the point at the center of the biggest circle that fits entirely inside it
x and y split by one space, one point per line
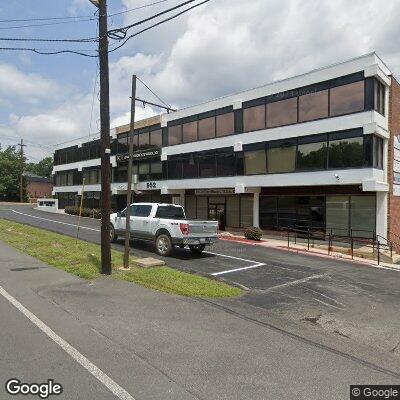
156 138
254 118
190 167
344 153
255 162
282 112
225 124
172 212
174 169
189 132
378 152
207 128
347 98
144 139
139 210
226 165
379 97
312 155
313 106
281 157
122 144
207 165
174 135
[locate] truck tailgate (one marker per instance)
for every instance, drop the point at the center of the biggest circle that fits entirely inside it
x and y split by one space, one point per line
203 228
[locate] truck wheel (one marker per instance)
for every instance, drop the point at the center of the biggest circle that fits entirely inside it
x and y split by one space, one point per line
113 236
197 248
163 245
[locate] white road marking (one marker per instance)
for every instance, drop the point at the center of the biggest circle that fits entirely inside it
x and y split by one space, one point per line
224 255
291 283
117 390
238 269
326 296
326 304
56 222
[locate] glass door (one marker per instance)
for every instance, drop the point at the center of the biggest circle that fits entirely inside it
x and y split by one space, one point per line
216 212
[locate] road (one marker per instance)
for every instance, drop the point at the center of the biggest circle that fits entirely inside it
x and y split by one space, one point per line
272 334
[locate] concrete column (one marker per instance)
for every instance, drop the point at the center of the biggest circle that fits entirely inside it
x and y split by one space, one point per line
256 209
382 213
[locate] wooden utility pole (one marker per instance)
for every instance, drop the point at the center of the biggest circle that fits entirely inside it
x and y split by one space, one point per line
104 139
129 187
21 177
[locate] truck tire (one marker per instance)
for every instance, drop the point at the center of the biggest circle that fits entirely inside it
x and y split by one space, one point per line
164 245
113 236
197 248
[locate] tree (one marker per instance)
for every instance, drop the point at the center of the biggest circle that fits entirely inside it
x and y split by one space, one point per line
42 168
11 167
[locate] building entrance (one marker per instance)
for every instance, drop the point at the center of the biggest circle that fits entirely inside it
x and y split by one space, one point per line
216 212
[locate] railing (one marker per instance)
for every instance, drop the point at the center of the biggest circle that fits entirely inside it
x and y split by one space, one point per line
377 242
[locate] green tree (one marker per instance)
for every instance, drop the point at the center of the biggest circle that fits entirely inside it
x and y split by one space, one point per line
42 168
11 167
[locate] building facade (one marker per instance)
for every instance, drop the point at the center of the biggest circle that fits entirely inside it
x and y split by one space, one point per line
38 186
317 151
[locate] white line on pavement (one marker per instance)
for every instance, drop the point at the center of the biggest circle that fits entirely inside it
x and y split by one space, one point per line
56 222
238 269
292 283
224 255
117 390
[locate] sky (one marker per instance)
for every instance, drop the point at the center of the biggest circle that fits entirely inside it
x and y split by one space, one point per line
220 48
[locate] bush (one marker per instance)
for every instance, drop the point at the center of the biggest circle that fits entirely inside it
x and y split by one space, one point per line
86 212
253 233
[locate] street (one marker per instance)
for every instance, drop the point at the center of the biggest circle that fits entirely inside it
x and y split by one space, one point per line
270 343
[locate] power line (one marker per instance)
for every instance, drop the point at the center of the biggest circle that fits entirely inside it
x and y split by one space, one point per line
157 24
114 32
155 94
83 40
45 24
48 52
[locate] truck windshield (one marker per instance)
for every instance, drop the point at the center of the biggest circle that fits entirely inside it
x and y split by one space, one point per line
170 212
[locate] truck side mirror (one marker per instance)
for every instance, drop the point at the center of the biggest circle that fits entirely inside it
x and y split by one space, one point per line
119 214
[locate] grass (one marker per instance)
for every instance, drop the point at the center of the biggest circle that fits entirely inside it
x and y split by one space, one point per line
83 259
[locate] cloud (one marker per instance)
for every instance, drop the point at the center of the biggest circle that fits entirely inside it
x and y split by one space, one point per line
27 87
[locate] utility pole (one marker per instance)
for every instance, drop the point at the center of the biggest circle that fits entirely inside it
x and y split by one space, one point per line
21 178
129 187
104 138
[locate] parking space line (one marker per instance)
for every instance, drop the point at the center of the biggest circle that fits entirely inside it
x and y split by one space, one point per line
291 283
103 378
56 222
224 255
238 269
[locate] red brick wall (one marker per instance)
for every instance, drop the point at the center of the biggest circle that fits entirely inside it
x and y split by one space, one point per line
39 189
394 126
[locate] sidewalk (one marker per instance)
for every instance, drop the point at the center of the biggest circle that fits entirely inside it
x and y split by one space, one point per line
158 346
314 249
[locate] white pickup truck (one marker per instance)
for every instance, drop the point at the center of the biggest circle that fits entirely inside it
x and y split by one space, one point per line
166 226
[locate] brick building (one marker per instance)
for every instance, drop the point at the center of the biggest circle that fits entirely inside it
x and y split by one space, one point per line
38 186
315 151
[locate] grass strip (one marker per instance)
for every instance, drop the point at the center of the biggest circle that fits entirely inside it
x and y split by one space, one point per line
83 259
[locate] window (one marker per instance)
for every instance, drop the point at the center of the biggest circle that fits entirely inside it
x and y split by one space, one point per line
174 169
379 97
144 170
156 170
190 207
190 169
345 152
347 98
362 215
156 138
255 161
287 212
268 212
282 112
254 118
226 165
225 124
311 153
232 211
313 106
122 144
207 128
140 210
207 165
378 152
144 139
246 211
189 132
281 157
170 212
174 135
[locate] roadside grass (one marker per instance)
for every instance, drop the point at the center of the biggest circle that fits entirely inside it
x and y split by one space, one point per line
83 259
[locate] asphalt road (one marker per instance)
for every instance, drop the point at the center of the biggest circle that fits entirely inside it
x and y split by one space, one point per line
356 303
127 342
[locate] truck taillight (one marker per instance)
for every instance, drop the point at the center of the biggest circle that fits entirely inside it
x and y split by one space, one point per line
184 228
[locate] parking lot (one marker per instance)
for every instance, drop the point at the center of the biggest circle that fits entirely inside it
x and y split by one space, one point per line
350 300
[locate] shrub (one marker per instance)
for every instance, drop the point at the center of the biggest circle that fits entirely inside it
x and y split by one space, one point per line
253 233
86 212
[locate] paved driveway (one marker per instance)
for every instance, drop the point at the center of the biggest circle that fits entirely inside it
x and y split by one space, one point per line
349 300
